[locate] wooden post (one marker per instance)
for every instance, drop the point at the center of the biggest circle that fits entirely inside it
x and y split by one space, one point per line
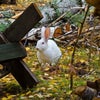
15 33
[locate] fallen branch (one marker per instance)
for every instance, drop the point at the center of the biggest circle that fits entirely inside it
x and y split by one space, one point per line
77 8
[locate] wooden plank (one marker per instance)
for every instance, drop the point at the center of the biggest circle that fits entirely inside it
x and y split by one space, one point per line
14 33
23 24
22 73
12 51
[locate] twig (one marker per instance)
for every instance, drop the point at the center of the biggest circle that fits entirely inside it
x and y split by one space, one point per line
77 8
57 19
73 54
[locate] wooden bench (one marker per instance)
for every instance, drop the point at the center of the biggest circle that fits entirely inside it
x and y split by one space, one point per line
12 51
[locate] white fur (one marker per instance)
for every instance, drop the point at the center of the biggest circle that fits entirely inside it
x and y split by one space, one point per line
48 51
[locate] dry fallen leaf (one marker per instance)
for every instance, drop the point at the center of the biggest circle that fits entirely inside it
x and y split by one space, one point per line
58 32
72 70
79 90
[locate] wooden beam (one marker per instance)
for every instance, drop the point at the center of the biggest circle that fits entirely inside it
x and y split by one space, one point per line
25 22
15 33
22 73
10 51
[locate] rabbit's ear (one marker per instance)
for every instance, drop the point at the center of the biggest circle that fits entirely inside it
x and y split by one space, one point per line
47 33
43 32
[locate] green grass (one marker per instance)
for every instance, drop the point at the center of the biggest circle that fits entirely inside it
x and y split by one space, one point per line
52 86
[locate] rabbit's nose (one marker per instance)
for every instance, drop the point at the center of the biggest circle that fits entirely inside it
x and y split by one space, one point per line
37 48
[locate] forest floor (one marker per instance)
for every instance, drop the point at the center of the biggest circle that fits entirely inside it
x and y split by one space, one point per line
53 85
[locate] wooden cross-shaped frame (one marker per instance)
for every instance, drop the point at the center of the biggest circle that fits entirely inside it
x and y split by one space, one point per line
12 51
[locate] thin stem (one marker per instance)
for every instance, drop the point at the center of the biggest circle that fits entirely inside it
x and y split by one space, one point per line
73 54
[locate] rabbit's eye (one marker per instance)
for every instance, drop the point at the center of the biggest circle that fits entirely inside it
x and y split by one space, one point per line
42 42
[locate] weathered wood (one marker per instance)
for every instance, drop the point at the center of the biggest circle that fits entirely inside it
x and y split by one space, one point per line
22 73
21 26
10 51
15 33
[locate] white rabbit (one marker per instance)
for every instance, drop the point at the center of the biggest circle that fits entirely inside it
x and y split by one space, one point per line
48 51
